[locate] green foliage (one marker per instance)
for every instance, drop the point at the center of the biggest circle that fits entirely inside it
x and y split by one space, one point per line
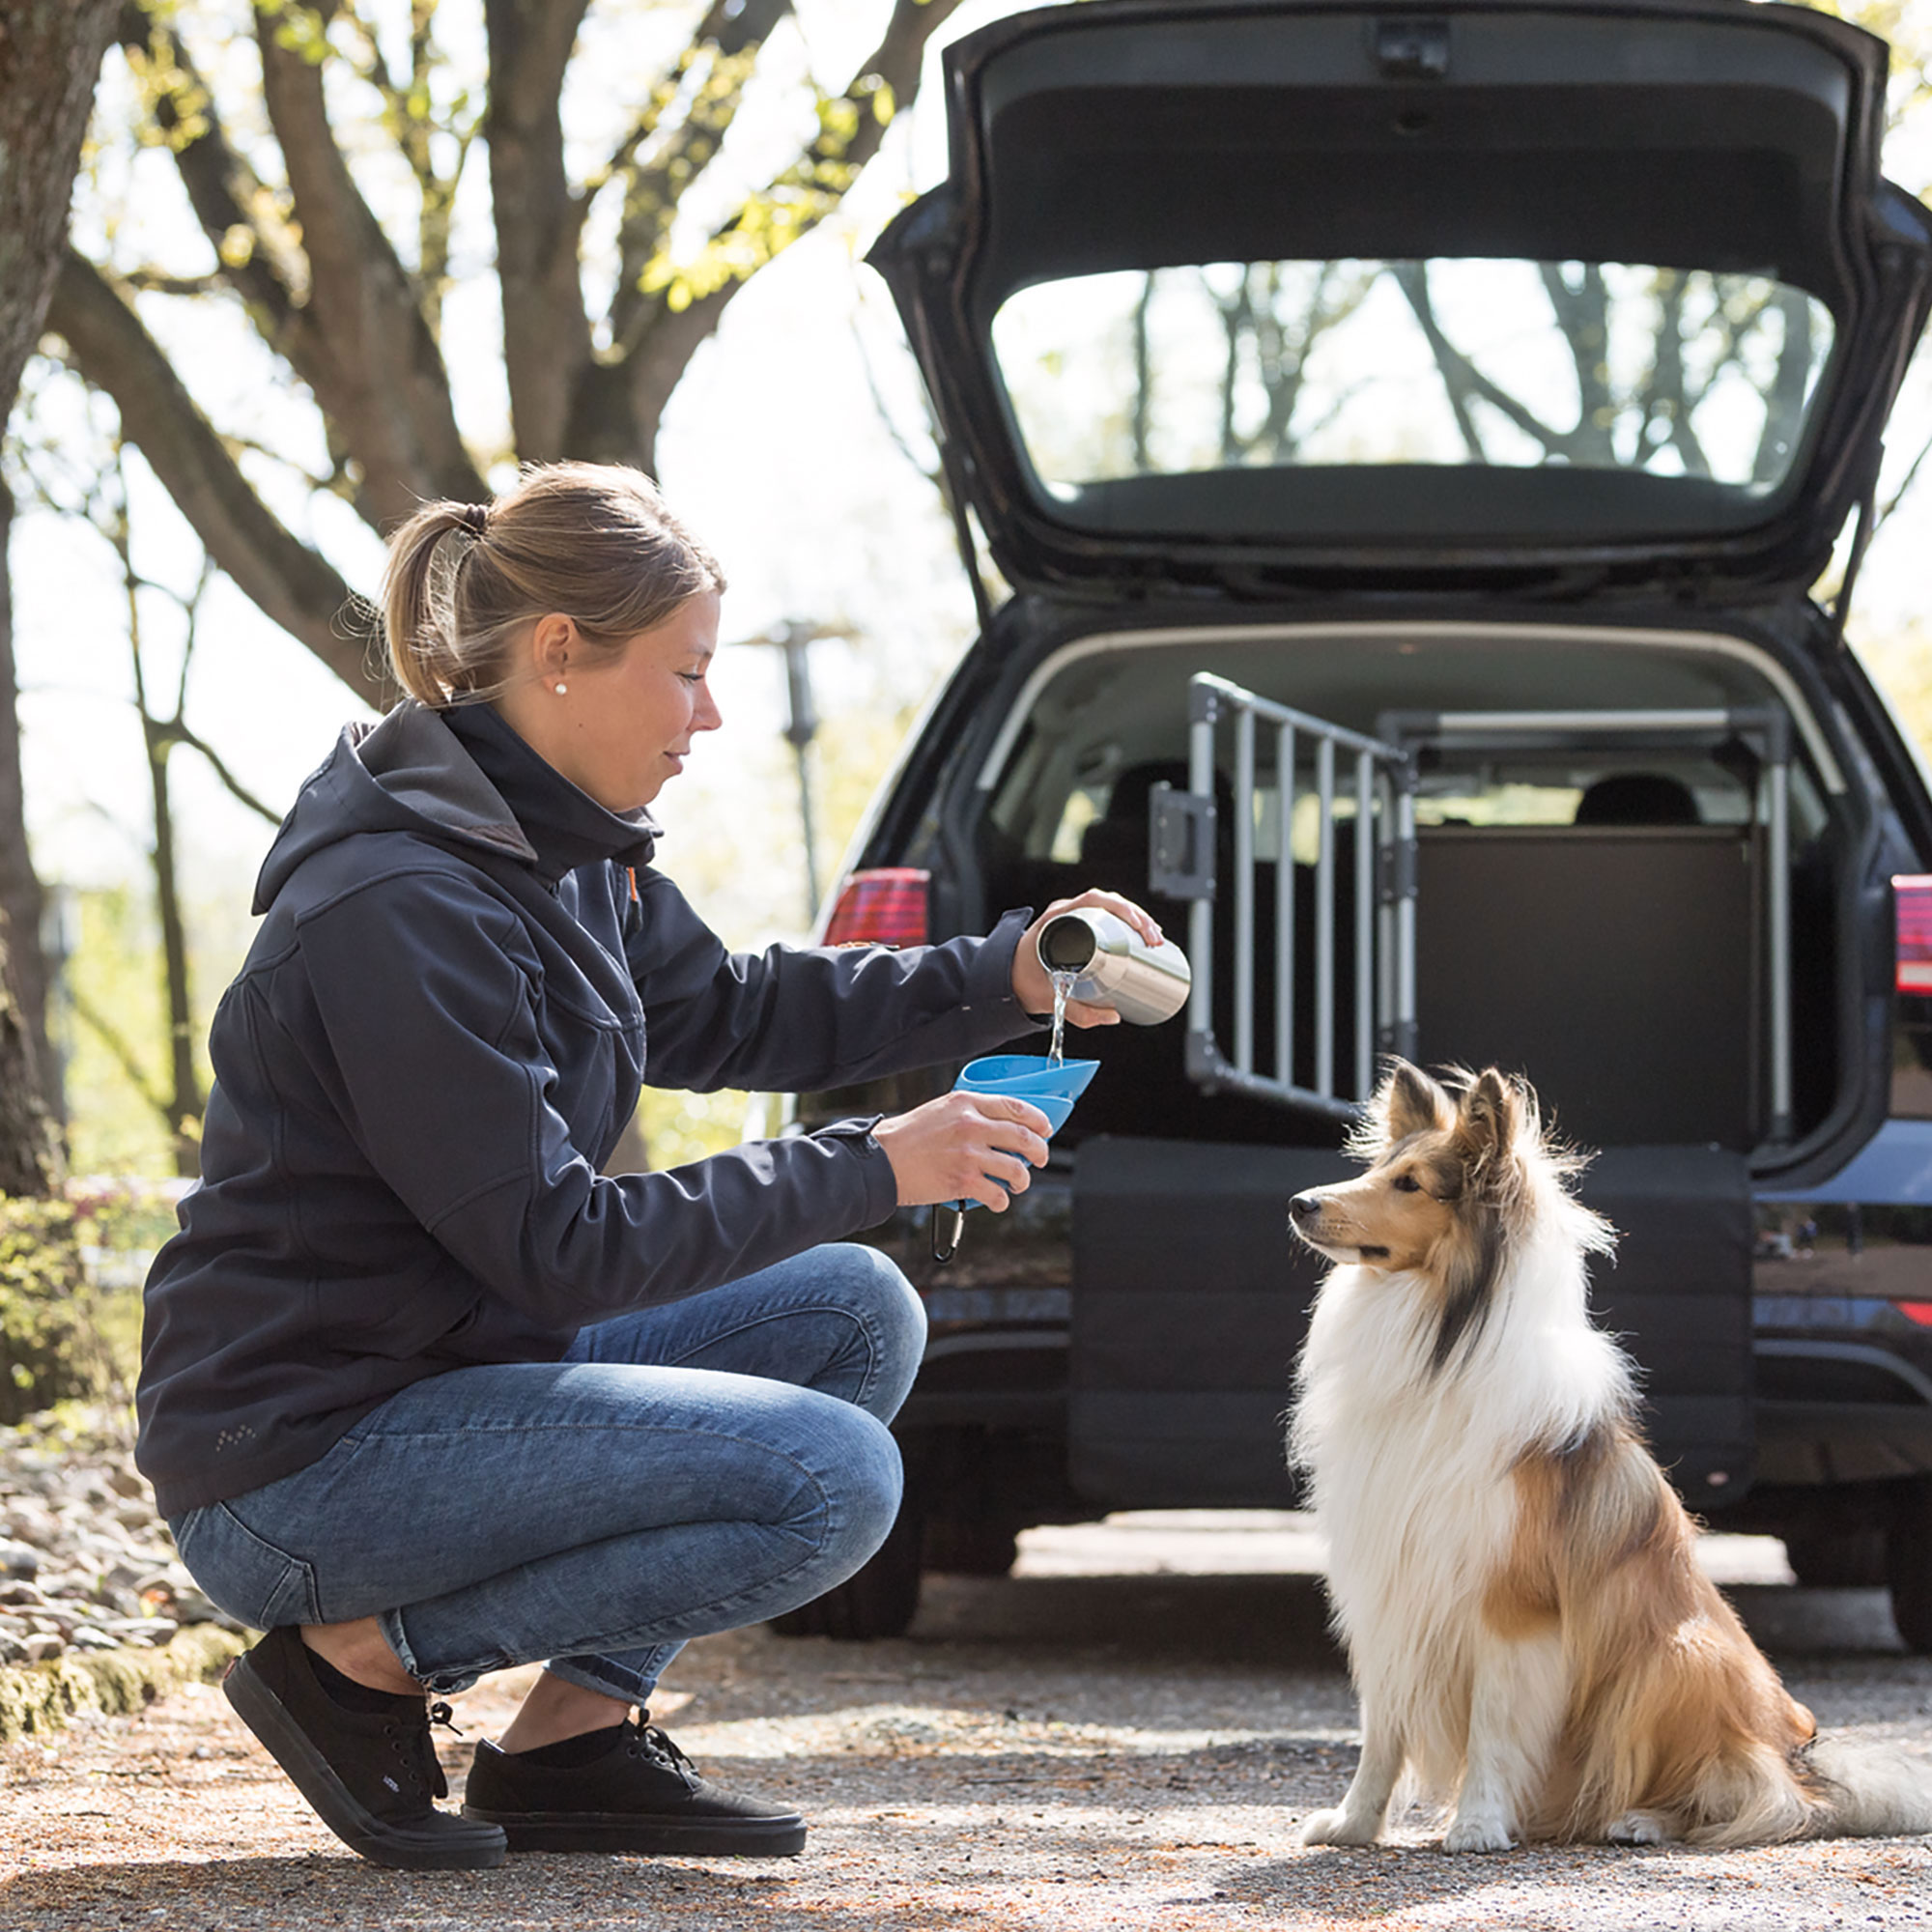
852 752
114 1030
48 1352
682 1128
71 1274
121 1219
121 1222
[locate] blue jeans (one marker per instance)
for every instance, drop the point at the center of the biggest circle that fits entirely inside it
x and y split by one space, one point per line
687 1468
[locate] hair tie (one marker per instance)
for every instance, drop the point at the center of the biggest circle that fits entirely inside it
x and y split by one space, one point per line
475 517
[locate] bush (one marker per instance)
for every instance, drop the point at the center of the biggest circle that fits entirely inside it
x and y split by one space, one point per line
49 1350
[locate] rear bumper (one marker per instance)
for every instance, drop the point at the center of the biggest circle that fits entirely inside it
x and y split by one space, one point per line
1838 1395
1823 1444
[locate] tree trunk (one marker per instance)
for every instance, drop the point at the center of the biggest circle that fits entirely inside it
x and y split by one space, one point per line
49 60
184 1104
20 896
27 1164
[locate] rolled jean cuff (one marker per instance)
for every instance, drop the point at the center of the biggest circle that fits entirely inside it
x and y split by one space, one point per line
630 1678
442 1683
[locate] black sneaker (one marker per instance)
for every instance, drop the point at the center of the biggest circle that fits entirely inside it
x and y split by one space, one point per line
369 1775
640 1793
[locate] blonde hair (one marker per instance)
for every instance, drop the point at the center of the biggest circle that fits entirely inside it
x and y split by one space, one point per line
593 541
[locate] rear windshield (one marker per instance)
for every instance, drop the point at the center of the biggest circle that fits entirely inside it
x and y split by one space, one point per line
1612 369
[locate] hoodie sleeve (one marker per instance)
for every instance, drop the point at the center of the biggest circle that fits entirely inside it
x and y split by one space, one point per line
811 1017
434 1060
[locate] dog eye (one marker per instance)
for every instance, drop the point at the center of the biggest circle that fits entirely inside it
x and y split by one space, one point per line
1407 1184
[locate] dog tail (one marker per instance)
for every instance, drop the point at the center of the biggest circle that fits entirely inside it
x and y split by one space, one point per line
1863 1790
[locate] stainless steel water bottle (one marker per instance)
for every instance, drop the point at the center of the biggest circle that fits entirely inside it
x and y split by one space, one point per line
1117 967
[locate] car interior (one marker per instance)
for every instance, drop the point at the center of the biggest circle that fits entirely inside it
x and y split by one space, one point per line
1596 919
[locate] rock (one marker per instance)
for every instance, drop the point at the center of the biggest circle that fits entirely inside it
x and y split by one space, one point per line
29 1522
149 1630
194 1607
84 1561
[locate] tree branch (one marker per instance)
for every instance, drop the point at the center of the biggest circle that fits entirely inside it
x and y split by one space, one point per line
230 783
288 581
1898 496
726 45
385 393
119 1049
158 283
1664 394
238 213
1459 373
415 123
684 307
546 345
1582 315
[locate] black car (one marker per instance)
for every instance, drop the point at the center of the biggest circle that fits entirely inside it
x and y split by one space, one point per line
1411 442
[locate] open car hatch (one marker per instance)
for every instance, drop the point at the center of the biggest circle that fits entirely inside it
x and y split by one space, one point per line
1495 296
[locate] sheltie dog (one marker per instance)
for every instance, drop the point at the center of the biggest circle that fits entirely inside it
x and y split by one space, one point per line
1528 1629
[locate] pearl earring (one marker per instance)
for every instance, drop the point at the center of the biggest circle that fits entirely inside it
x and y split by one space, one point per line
561 687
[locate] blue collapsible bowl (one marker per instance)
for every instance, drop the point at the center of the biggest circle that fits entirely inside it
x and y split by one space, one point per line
1034 1079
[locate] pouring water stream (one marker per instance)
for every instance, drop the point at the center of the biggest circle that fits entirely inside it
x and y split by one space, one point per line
1062 987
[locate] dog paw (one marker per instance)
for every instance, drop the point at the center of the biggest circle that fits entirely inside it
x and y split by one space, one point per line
1337 1827
1478 1835
1636 1828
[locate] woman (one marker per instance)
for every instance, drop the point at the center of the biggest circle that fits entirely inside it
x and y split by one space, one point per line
423 1395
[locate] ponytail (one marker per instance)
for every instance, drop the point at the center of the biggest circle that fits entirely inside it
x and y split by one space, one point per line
594 542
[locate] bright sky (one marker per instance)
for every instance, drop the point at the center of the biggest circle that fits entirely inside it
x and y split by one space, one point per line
774 449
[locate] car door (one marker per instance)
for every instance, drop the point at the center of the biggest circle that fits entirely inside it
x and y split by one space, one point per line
1689 191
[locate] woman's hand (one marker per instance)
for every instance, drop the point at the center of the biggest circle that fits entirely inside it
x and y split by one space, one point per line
962 1145
1033 990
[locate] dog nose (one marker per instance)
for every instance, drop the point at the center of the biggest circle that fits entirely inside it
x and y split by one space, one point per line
1303 1206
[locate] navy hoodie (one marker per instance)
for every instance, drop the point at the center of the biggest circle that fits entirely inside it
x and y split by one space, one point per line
465 968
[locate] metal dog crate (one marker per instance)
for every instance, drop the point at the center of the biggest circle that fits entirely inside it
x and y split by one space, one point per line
1640 974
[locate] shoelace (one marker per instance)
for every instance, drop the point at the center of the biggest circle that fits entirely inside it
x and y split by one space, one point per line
440 1716
648 1741
415 1748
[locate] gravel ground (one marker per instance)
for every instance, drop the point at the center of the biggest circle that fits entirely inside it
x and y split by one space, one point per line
1065 1747
85 1563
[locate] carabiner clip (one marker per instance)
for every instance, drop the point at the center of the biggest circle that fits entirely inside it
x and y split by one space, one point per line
944 1251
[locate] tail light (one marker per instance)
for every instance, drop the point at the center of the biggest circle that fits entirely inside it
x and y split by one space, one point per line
1911 895
1920 1312
887 907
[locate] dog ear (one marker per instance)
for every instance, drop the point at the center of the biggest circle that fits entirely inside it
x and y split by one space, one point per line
1487 1121
1411 1102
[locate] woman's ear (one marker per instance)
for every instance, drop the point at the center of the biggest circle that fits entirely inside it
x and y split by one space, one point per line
553 646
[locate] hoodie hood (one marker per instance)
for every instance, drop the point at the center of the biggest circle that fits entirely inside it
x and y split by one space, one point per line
414 771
